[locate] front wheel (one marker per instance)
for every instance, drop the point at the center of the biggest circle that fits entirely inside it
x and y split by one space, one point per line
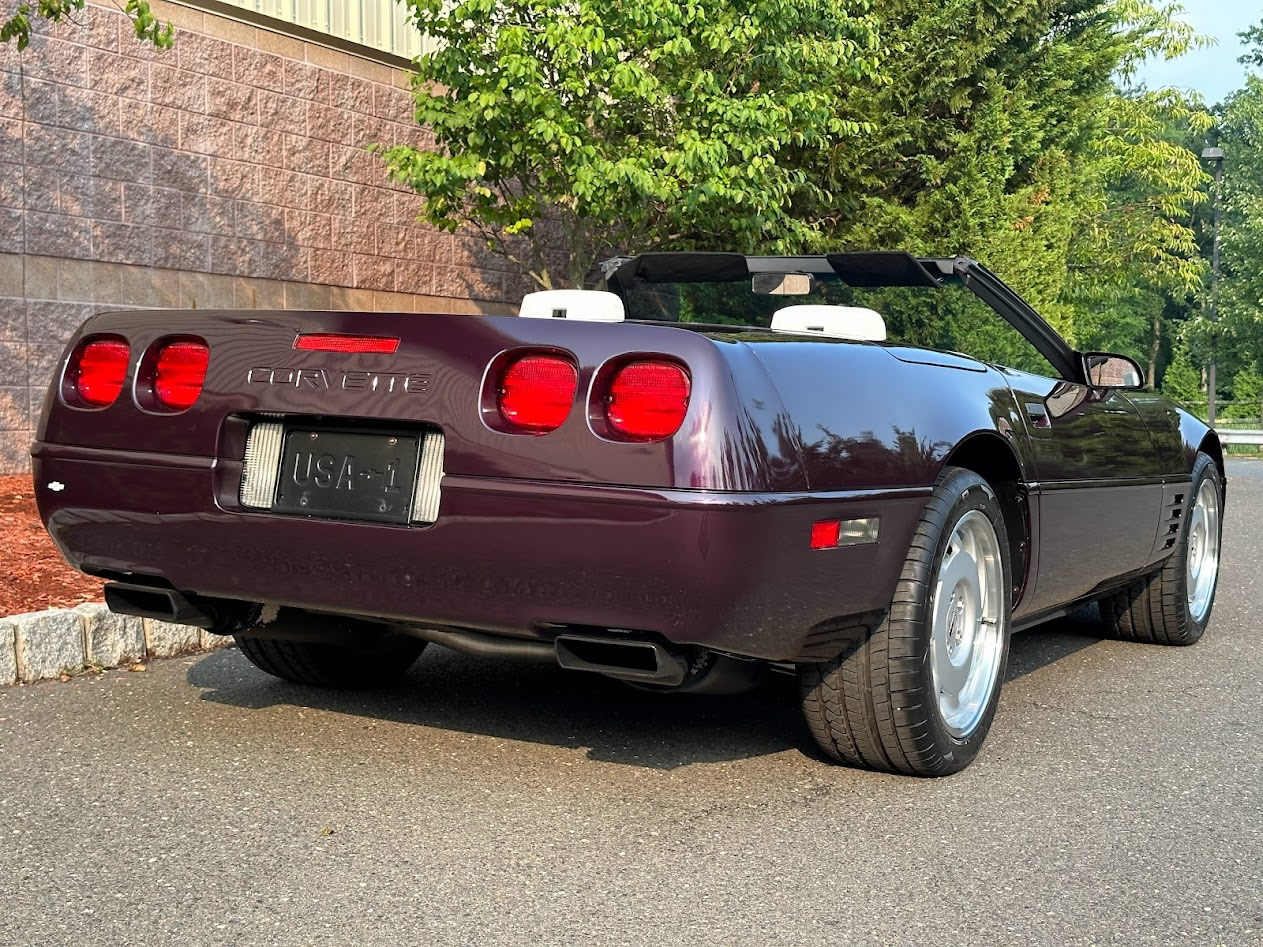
917 695
1172 606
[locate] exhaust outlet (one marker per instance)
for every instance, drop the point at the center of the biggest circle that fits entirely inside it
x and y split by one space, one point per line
161 604
644 661
218 616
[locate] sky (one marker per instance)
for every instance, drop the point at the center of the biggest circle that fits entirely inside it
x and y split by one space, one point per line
1213 72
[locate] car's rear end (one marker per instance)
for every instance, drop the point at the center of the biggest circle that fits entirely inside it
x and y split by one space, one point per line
510 477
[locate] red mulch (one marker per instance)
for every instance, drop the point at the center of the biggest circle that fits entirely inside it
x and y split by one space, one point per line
35 576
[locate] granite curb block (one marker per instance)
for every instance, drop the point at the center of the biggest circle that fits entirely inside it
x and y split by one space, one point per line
38 646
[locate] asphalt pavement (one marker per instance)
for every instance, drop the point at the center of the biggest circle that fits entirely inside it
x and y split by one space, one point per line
1117 801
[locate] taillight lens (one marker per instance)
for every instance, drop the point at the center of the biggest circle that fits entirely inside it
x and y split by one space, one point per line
537 392
648 399
179 373
97 371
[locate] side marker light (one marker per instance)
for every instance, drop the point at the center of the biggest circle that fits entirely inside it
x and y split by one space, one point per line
830 534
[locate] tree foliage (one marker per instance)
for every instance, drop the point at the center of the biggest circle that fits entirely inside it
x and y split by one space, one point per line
1012 134
1003 129
591 127
1183 384
1253 38
149 28
1239 329
1247 396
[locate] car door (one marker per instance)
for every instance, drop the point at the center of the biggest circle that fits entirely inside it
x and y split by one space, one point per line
1098 497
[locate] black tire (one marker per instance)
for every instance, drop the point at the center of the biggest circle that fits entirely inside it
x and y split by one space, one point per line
383 659
875 705
1155 609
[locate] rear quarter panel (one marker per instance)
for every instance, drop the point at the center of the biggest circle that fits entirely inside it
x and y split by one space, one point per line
868 419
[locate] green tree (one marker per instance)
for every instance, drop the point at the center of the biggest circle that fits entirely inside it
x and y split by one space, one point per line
1011 133
1009 130
1135 264
567 132
17 28
1238 333
1183 385
1253 38
1247 395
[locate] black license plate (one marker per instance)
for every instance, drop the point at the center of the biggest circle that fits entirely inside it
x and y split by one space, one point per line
341 475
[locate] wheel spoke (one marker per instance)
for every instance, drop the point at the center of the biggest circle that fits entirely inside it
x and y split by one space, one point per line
1202 550
966 641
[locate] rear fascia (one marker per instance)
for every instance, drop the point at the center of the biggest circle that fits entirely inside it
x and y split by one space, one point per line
728 440
729 571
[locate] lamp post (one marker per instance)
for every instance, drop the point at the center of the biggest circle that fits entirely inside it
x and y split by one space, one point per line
1217 156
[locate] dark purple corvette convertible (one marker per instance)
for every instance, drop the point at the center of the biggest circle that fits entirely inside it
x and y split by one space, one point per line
867 469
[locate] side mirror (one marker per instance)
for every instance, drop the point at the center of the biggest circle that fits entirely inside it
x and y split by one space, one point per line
1103 370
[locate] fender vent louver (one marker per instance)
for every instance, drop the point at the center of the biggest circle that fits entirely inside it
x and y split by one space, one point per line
1173 506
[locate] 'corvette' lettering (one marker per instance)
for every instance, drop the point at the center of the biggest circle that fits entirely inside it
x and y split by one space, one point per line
323 379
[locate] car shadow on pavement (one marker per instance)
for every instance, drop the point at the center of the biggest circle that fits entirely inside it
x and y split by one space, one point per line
539 704
549 706
1052 641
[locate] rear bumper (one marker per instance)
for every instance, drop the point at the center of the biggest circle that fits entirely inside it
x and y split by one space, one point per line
729 571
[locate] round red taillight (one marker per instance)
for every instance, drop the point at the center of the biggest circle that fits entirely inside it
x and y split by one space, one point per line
537 392
179 373
647 400
97 371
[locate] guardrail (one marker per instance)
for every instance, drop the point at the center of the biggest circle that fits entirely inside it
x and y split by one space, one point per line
1230 436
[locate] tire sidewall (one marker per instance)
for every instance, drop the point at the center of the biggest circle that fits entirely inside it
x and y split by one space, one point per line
974 494
1203 469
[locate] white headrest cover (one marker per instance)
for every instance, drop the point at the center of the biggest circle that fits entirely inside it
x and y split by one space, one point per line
839 322
582 305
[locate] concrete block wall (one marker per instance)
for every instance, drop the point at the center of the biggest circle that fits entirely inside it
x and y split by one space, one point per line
229 171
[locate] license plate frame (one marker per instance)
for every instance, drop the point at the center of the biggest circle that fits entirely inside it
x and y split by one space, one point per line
334 474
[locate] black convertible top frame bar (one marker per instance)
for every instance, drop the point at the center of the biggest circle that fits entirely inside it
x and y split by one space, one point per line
1022 316
868 270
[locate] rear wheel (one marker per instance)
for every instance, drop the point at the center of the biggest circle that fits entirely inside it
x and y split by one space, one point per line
1172 606
379 660
918 693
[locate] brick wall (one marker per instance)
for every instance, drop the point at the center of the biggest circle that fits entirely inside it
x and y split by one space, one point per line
229 171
